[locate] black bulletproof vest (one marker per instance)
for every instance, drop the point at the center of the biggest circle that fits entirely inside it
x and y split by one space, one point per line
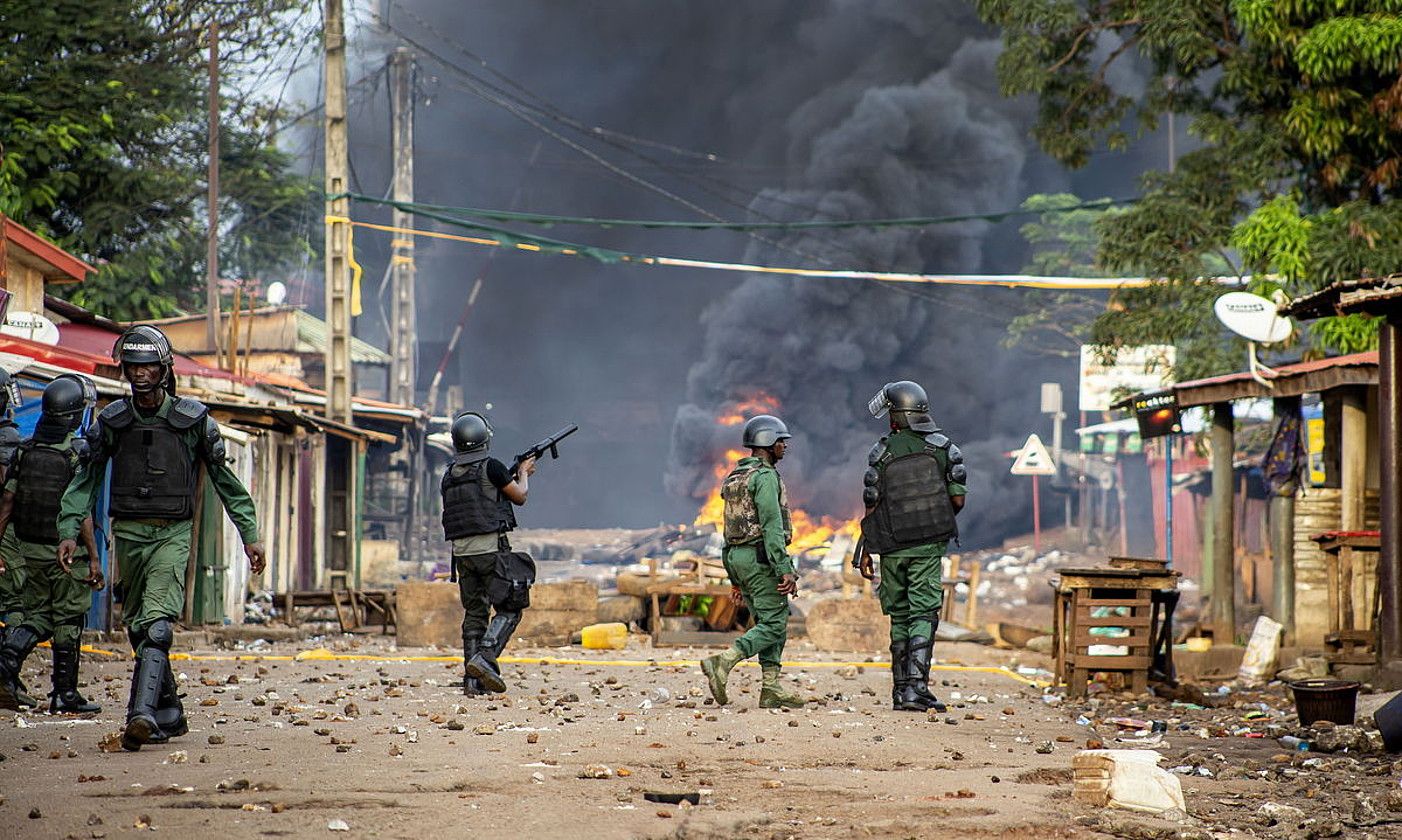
44 473
153 473
471 505
914 508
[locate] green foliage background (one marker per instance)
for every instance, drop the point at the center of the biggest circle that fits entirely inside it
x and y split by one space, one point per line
1297 106
103 125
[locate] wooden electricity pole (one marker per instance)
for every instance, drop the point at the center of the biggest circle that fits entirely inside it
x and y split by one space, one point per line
212 237
338 280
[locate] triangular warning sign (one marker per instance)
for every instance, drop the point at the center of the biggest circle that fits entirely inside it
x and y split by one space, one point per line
1034 459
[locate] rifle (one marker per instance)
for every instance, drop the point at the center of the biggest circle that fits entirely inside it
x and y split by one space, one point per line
550 444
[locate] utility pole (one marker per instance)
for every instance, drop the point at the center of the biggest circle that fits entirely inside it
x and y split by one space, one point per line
342 456
212 237
338 303
403 317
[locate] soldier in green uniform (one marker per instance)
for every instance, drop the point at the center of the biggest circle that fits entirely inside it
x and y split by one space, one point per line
13 579
913 488
56 598
757 534
154 442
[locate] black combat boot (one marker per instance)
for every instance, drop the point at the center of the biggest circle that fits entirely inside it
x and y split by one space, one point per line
152 664
65 698
922 686
900 673
483 665
470 685
19 643
170 714
919 658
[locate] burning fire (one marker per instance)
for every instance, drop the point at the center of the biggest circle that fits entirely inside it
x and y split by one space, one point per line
807 533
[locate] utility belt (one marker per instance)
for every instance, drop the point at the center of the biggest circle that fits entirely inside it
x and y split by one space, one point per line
159 523
503 544
761 556
513 575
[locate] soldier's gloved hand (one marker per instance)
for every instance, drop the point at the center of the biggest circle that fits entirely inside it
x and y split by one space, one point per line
736 596
94 578
66 550
257 557
788 585
866 566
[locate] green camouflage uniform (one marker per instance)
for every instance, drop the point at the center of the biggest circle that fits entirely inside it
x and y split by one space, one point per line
757 579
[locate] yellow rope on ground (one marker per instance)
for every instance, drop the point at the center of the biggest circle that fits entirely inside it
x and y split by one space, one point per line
324 655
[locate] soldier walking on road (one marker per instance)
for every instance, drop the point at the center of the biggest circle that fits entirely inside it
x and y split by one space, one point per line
155 443
12 581
913 488
56 598
757 534
478 494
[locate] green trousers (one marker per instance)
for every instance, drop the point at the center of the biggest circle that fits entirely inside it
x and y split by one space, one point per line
769 607
912 590
12 583
152 558
474 573
55 601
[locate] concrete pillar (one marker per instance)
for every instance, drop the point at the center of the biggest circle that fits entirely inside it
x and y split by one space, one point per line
1281 517
1353 459
1223 527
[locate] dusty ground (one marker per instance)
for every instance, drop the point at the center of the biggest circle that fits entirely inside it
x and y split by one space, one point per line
390 747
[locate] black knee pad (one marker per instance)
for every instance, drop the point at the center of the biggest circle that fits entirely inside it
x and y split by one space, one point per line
160 634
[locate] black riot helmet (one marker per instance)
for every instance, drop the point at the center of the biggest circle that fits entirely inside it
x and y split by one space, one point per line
472 435
67 397
144 344
908 405
9 393
764 430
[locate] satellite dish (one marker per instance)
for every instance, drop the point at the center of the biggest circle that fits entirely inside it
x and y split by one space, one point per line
277 292
31 325
1252 317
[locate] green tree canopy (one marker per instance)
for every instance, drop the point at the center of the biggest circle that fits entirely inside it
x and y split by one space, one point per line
103 124
1297 109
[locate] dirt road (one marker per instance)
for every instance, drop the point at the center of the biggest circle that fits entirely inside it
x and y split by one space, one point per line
389 748
393 750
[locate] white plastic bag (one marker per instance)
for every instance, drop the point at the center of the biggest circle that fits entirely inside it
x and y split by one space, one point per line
1128 779
1258 664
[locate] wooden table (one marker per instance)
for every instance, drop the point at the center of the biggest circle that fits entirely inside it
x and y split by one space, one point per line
1141 602
1347 640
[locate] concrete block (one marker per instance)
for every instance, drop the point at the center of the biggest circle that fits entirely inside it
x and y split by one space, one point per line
553 627
624 609
565 595
429 614
849 624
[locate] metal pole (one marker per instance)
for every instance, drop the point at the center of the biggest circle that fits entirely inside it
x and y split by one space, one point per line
338 303
1036 518
212 235
1223 528
1168 499
1390 432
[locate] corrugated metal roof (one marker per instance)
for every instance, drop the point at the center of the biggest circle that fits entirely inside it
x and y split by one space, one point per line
1287 381
311 331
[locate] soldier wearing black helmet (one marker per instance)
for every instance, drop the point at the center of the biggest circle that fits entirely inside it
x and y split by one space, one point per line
56 598
913 488
757 533
155 443
478 497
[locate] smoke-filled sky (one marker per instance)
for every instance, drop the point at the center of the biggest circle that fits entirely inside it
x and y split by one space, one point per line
836 109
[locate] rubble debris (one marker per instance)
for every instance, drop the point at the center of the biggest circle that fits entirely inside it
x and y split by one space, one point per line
1128 779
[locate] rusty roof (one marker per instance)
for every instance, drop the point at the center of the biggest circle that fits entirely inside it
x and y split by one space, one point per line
1290 380
1368 295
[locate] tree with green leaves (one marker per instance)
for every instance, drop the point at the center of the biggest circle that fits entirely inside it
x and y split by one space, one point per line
1296 108
104 139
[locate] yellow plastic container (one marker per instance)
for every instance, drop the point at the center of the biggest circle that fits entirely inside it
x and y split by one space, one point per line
611 636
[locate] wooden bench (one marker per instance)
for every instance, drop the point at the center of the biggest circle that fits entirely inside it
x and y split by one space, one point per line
355 608
1349 645
1120 598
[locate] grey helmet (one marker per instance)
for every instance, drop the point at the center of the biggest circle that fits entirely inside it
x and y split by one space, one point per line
472 435
908 405
9 393
765 430
144 344
67 397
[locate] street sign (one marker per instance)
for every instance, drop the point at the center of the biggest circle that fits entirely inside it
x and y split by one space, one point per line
1034 459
